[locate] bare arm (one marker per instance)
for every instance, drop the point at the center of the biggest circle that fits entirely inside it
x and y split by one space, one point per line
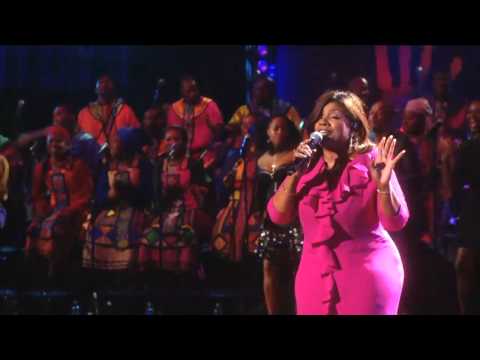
27 138
391 204
283 206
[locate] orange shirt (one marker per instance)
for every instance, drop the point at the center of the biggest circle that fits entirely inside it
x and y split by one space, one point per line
92 118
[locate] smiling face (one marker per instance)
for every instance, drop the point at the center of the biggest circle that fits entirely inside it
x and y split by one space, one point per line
335 122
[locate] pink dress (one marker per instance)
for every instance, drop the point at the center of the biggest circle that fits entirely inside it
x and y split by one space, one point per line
349 264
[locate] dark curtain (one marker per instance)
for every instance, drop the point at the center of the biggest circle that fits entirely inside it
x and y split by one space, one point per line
44 76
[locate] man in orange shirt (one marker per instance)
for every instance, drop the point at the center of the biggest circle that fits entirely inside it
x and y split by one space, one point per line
103 117
202 119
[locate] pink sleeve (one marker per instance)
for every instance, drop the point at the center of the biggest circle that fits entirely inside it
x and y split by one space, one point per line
215 114
399 220
278 217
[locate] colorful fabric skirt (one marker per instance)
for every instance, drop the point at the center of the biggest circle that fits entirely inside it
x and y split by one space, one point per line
53 239
112 241
171 242
235 234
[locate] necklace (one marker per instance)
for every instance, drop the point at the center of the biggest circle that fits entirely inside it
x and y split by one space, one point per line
275 161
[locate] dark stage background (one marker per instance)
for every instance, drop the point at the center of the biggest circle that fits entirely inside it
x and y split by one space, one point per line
305 71
47 75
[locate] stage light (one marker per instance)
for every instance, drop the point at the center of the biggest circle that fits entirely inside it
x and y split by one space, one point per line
272 71
419 69
262 66
262 50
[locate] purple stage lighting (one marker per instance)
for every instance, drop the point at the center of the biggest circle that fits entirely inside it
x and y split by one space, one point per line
262 50
262 65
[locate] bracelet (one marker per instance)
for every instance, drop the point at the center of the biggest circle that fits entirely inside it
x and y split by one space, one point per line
383 192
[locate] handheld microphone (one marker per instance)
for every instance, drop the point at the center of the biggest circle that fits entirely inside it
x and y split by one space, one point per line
171 152
245 143
103 149
247 139
316 139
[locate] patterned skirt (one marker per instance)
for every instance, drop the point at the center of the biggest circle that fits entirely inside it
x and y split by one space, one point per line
111 242
53 239
170 243
235 234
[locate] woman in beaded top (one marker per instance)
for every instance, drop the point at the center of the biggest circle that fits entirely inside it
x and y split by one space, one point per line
278 246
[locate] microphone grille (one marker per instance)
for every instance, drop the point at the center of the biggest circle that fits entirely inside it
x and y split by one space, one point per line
317 137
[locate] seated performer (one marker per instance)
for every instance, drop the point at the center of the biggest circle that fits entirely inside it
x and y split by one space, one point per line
62 189
172 243
114 229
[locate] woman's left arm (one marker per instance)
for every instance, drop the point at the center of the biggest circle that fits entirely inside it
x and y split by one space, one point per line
392 207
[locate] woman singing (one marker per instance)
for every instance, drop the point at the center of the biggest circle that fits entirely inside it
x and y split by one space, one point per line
346 200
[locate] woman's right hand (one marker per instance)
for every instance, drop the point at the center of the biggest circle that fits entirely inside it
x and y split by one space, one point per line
303 151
